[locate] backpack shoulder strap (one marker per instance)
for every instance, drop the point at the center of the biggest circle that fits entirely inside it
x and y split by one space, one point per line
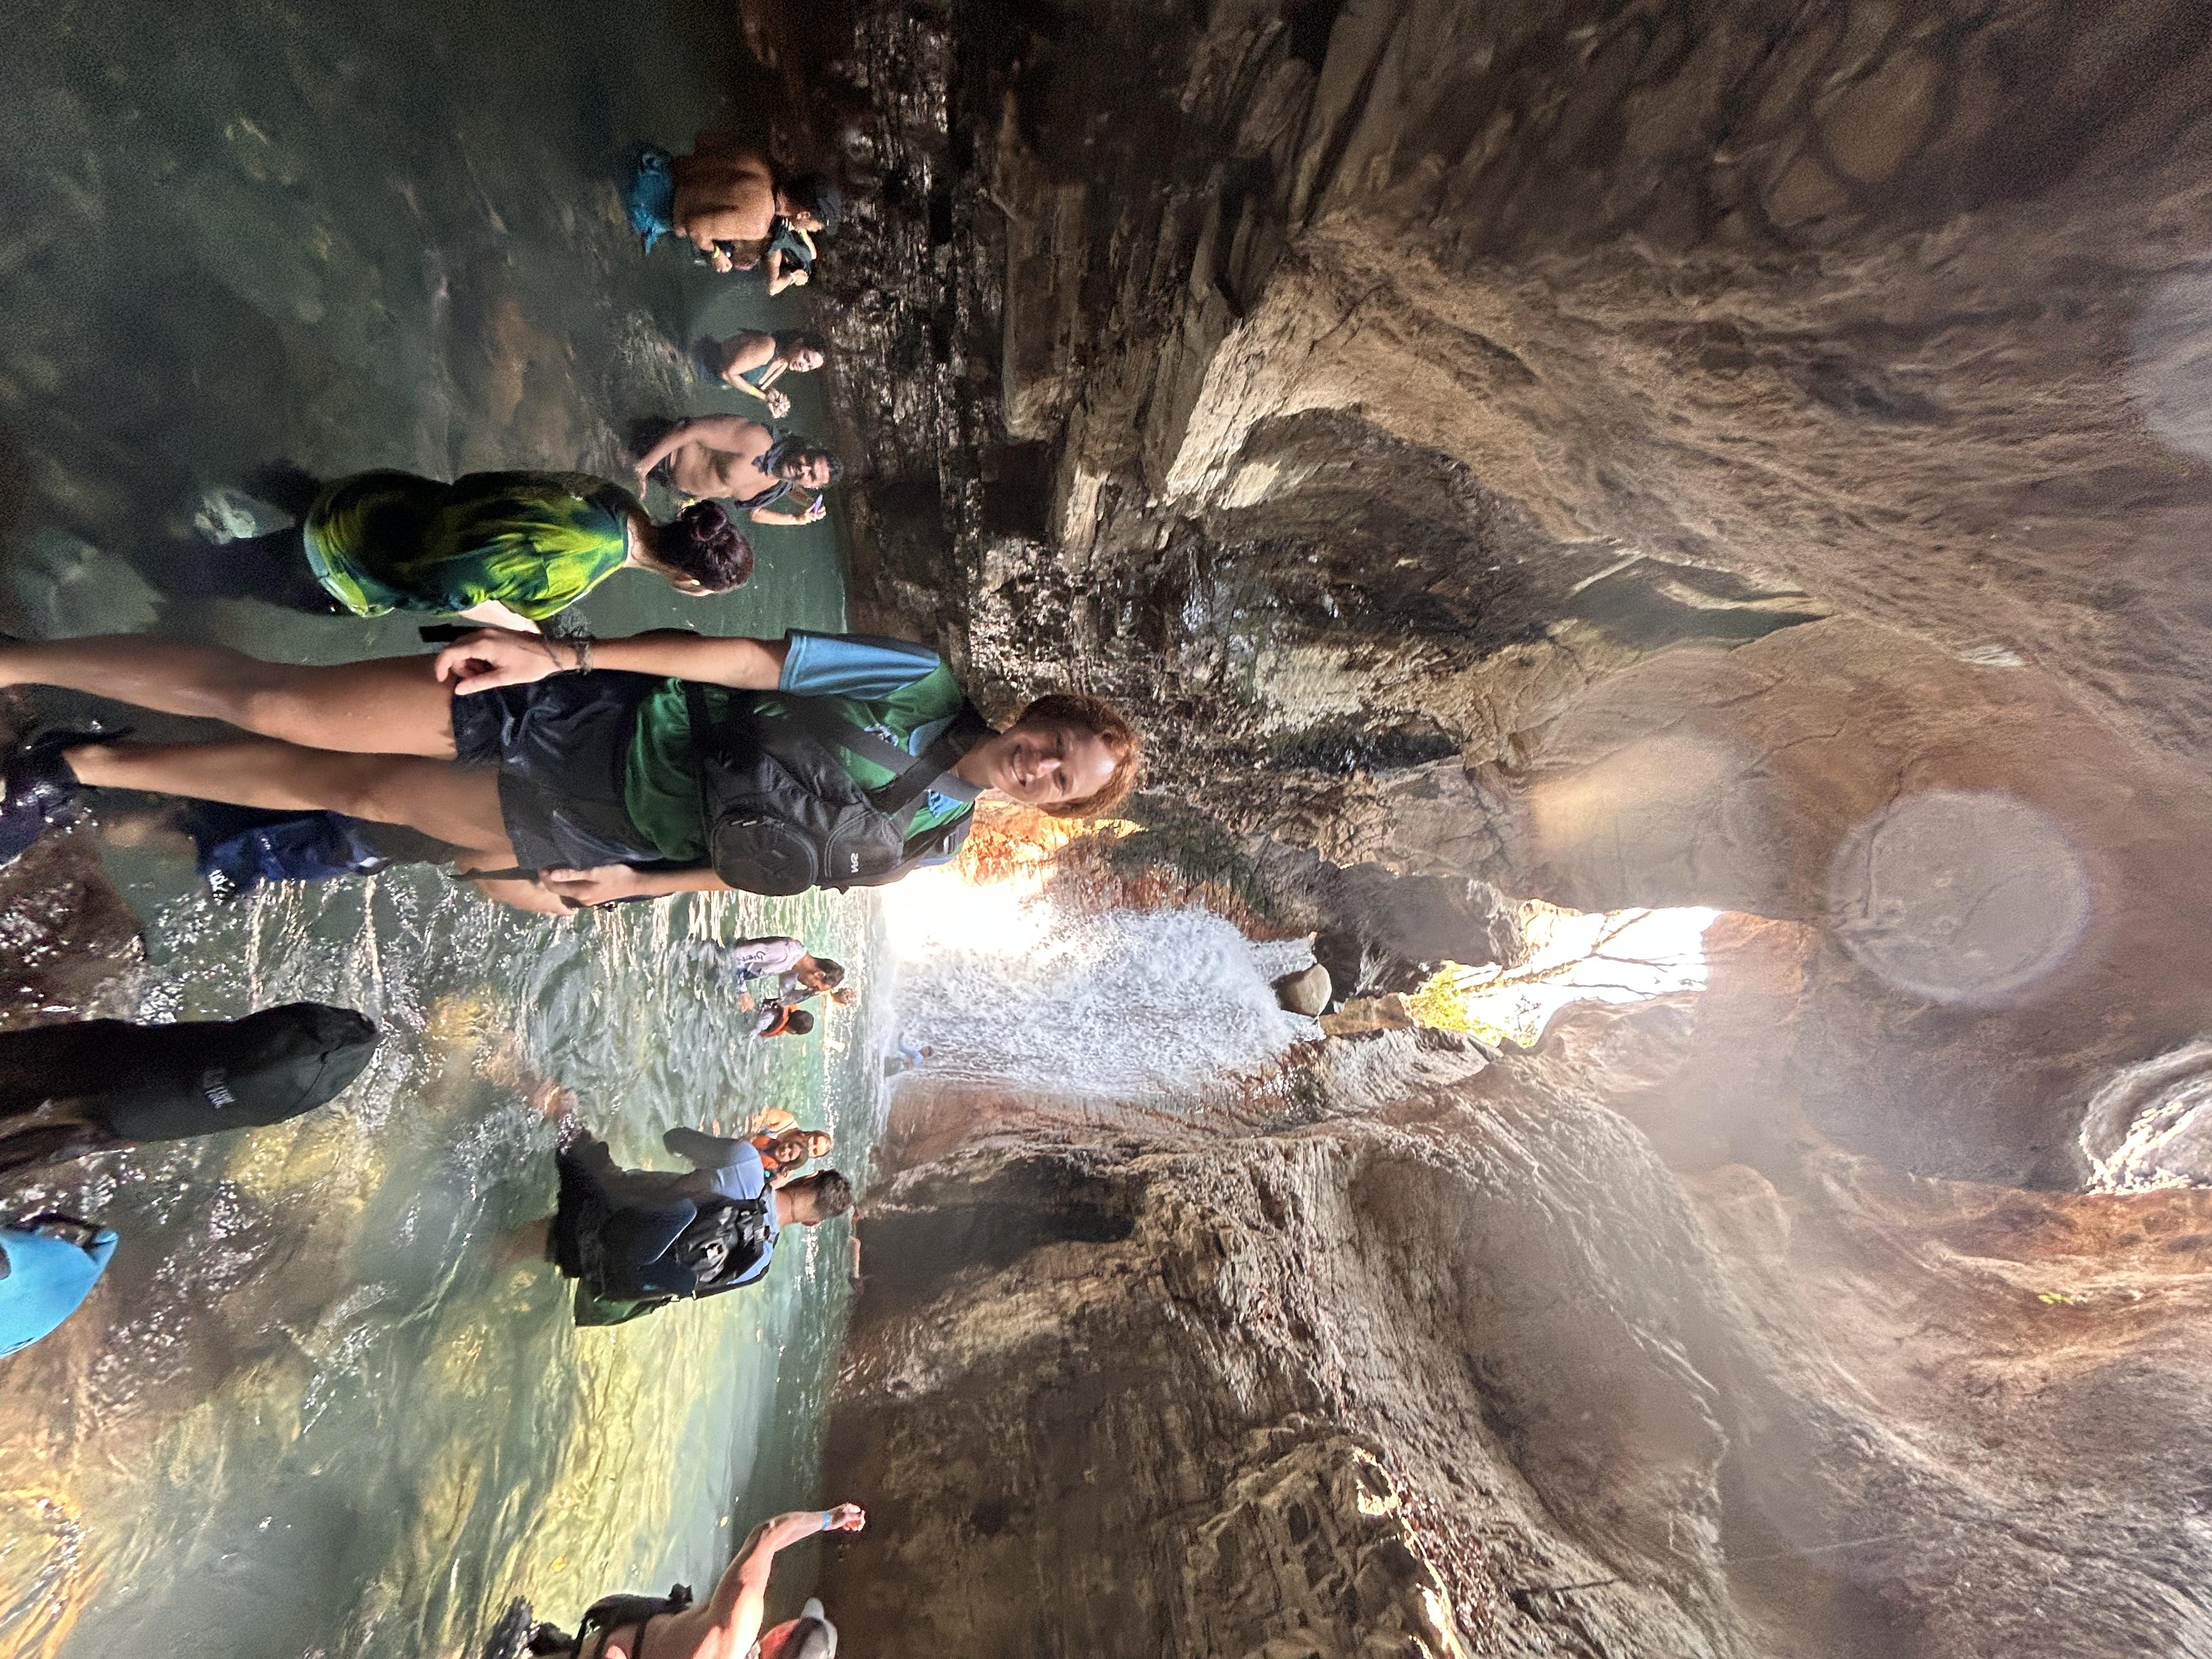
917 774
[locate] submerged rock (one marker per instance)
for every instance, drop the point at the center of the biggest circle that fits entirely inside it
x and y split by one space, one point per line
226 514
65 585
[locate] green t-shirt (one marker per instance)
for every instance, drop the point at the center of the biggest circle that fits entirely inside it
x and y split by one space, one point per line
901 691
536 542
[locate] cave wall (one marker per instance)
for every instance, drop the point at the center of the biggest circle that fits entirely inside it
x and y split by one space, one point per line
1617 452
1475 1371
1614 453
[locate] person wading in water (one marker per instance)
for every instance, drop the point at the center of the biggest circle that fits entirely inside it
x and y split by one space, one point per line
728 457
728 199
573 772
505 548
727 1626
753 361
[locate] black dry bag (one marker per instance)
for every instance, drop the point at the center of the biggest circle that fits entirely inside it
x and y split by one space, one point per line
784 815
138 1083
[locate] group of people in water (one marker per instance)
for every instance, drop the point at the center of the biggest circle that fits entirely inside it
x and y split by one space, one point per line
554 770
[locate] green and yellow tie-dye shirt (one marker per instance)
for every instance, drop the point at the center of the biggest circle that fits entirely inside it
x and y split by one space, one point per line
536 542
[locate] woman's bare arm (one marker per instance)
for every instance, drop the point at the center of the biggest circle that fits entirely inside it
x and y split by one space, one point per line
495 657
519 895
741 1599
605 883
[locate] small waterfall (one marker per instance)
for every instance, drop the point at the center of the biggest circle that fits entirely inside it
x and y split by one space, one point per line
2151 1126
1005 982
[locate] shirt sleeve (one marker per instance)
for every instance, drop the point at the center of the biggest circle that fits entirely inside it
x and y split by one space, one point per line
704 1151
852 664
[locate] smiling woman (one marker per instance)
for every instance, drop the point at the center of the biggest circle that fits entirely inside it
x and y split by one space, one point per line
576 772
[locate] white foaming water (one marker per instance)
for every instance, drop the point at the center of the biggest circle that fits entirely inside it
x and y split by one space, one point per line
1002 983
2151 1126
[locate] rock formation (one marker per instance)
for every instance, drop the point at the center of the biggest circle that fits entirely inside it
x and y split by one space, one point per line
1616 452
1474 1371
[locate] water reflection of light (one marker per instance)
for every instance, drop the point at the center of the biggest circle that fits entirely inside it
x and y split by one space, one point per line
1573 956
940 909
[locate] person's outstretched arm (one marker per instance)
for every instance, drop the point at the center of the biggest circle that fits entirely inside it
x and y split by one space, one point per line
741 1598
497 657
782 274
815 509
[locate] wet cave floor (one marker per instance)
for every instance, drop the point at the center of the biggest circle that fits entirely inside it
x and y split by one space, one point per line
315 1408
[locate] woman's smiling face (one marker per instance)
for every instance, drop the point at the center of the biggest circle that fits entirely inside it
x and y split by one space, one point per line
1048 764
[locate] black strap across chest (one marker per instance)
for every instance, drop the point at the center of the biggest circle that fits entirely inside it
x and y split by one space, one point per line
915 775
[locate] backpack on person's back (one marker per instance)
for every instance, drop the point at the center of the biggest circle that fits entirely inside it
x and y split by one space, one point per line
783 814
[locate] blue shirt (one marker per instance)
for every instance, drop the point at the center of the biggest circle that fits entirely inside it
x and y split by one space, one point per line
869 668
734 1169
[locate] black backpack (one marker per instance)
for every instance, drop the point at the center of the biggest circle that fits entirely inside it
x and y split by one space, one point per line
783 814
140 1083
723 1241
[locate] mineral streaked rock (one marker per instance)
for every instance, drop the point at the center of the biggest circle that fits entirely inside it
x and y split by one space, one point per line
1605 452
1477 1373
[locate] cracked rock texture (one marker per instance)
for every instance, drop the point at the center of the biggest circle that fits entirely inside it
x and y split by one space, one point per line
1466 1367
1614 452
1607 453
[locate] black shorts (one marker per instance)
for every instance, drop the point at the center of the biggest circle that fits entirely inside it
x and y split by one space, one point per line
561 745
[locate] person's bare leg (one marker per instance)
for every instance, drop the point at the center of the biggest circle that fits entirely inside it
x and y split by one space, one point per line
386 706
456 803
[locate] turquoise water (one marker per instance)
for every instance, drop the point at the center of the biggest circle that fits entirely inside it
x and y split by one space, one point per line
315 1409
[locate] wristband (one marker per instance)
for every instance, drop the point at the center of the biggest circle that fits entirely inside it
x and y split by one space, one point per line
829 1519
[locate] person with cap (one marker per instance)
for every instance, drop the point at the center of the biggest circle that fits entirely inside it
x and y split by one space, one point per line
636 1240
727 458
728 1627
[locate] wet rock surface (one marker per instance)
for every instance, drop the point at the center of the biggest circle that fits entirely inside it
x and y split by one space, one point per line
1475 1371
1422 415
1620 454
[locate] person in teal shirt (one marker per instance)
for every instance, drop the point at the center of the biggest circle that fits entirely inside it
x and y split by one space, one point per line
506 549
563 772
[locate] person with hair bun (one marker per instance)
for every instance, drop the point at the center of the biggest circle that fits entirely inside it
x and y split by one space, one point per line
571 772
507 548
